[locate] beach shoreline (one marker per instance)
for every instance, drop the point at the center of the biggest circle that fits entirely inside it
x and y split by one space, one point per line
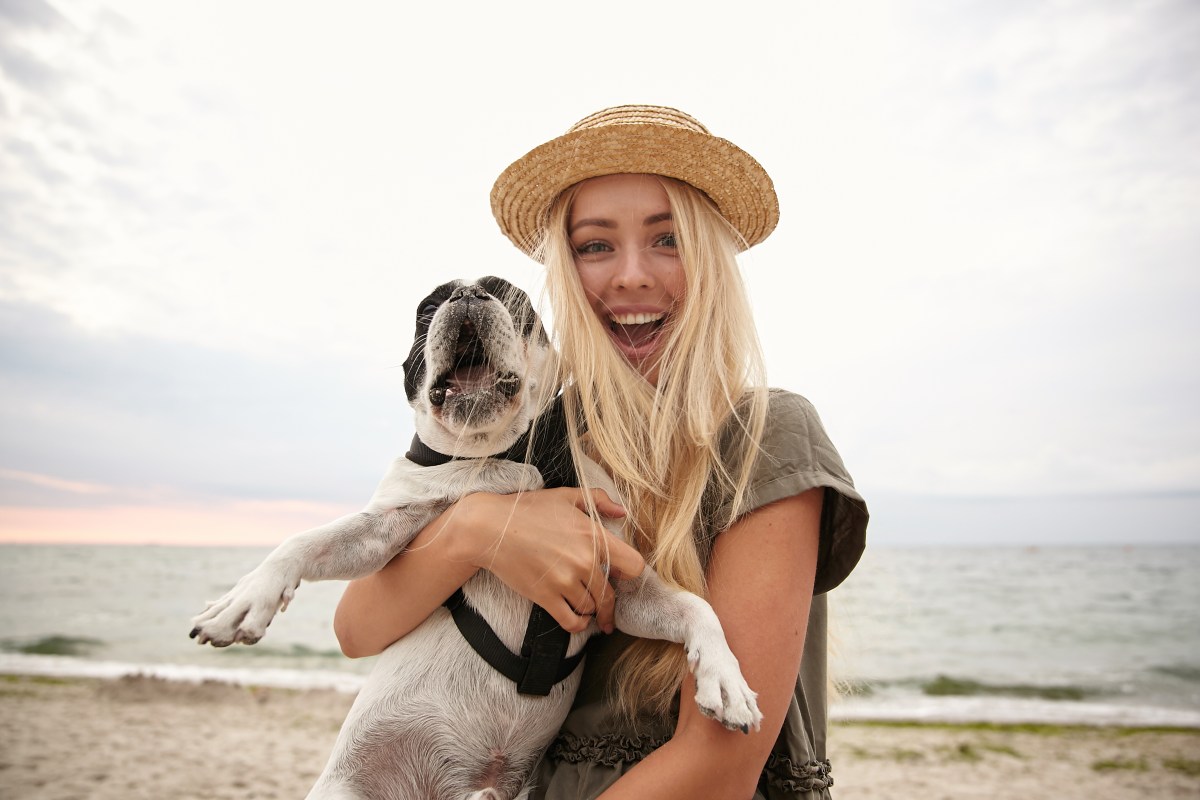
146 737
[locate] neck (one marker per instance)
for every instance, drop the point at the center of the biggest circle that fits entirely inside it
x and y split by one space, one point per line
425 456
549 452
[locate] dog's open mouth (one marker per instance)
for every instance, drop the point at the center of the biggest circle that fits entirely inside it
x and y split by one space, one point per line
472 371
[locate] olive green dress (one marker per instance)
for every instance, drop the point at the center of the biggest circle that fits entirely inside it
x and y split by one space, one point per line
594 748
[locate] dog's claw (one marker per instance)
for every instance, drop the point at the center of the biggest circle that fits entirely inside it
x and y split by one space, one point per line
721 690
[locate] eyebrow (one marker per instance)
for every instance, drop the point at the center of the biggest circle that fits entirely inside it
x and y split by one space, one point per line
593 223
653 219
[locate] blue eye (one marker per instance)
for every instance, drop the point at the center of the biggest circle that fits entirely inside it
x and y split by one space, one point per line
592 247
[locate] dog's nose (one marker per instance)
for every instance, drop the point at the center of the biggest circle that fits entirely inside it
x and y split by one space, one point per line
468 293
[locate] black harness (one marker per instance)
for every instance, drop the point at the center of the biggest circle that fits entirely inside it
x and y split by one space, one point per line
543 661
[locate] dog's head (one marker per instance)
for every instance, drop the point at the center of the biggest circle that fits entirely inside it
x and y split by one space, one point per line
479 357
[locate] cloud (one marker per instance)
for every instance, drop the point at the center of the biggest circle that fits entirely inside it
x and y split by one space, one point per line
984 275
144 420
50 482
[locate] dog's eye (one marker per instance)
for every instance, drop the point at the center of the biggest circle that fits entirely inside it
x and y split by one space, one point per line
429 309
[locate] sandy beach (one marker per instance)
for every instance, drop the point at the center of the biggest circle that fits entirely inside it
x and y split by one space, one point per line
139 737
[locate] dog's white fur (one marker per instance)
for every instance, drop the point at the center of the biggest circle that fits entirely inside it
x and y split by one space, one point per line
433 720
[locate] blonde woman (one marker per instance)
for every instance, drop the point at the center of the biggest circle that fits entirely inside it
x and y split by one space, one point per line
729 489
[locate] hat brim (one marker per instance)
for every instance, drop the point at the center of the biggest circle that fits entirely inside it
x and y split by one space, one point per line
731 177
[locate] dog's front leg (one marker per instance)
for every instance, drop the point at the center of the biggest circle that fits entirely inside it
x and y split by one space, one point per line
347 548
648 607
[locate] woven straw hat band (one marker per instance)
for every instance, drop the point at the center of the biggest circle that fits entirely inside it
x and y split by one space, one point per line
635 139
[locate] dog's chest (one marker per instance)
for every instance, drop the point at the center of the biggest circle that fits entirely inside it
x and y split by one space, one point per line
406 483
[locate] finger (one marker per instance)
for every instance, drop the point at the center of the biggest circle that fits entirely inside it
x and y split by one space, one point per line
585 604
565 616
624 561
606 505
606 608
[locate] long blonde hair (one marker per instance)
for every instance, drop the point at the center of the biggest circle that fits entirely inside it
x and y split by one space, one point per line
663 444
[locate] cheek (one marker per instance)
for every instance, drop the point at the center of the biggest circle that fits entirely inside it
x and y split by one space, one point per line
592 279
674 282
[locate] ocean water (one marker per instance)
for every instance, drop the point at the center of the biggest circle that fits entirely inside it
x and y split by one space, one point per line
1107 635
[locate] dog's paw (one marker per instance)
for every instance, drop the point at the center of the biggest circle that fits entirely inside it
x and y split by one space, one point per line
245 611
721 691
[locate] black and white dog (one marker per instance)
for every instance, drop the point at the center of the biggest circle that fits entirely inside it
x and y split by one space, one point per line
435 720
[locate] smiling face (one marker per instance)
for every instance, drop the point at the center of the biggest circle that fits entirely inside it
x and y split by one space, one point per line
623 238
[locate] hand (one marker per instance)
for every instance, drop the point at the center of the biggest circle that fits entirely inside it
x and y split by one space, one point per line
544 546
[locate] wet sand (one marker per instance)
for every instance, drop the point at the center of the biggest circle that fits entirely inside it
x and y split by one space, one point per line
137 737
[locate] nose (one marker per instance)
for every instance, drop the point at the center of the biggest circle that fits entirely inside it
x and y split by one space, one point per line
633 270
471 292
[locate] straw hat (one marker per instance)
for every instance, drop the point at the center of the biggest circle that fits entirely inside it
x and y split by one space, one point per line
635 139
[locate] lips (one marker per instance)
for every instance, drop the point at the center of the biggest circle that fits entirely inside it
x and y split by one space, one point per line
635 334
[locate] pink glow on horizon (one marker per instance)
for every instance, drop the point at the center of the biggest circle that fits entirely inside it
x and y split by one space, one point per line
217 524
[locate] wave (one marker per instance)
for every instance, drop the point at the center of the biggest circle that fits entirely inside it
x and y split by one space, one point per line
919 708
1185 672
53 645
947 686
276 677
888 704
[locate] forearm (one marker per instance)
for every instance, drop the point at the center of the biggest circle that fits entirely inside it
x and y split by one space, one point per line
379 609
542 544
679 769
760 585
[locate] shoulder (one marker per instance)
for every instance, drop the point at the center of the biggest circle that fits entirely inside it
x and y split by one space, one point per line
796 454
795 440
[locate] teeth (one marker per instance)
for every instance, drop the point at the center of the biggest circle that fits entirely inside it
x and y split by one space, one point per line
636 319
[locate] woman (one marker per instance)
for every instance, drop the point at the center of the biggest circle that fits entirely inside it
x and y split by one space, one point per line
729 489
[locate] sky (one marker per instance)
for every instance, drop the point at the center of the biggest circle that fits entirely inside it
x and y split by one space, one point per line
216 221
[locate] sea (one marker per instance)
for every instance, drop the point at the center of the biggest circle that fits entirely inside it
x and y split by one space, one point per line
1051 635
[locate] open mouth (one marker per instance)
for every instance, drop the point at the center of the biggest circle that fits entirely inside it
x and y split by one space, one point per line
635 333
471 371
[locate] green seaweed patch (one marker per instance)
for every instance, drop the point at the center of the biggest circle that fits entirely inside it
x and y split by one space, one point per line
905 755
966 752
1188 766
1002 749
54 646
944 685
1121 764
45 680
1186 672
292 651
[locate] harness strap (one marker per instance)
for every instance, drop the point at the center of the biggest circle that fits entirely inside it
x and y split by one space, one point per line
543 662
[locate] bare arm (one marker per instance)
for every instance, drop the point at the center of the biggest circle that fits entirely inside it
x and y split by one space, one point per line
542 544
760 584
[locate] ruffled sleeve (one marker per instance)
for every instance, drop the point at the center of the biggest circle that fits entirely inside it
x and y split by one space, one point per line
797 455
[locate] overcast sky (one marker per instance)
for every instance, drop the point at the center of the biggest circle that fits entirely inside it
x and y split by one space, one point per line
216 220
